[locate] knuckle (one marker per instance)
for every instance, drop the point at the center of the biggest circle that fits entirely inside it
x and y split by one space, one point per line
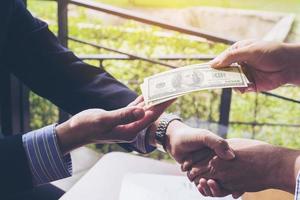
123 115
186 165
192 174
212 171
206 137
222 143
213 166
214 161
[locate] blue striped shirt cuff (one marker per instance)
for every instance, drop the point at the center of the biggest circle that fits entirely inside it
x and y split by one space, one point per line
141 145
297 190
44 157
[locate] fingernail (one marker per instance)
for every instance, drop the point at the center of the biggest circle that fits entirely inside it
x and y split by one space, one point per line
229 154
138 113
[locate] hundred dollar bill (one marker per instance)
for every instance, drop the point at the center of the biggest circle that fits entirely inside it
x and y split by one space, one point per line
171 84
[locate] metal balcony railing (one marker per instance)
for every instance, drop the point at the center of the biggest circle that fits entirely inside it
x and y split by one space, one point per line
15 117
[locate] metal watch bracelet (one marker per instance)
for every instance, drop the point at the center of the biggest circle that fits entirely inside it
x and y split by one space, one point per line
160 134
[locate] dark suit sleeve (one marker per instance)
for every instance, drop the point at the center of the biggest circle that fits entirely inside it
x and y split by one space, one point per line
36 57
15 175
33 54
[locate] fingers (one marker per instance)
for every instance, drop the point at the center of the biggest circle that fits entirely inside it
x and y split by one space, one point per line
153 113
239 52
198 170
214 143
124 116
250 88
201 191
219 146
128 131
216 190
244 43
141 104
212 188
137 101
204 187
137 113
196 157
231 56
161 107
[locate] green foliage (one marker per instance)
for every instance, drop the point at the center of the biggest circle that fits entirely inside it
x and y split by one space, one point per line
147 41
42 112
278 5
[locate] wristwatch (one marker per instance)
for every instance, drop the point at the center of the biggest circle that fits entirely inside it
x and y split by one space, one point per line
160 134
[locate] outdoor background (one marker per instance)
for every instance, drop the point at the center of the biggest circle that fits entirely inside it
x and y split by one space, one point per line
200 109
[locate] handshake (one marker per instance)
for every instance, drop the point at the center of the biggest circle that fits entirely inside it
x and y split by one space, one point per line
218 167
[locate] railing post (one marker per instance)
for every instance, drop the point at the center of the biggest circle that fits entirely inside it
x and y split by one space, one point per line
14 105
25 108
101 64
62 16
224 112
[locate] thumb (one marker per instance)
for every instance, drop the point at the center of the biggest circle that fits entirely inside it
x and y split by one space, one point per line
219 146
231 56
125 116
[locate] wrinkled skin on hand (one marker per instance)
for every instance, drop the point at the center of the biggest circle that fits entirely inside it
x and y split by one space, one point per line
185 143
268 65
249 171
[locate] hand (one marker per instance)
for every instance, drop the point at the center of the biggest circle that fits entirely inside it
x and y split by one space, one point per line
185 143
100 126
257 166
267 64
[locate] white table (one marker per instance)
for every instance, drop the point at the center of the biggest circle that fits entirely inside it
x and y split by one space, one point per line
104 180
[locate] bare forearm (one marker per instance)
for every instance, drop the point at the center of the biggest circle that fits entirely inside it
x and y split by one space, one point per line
286 169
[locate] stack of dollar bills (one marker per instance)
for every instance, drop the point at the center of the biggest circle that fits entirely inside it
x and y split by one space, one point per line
169 85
